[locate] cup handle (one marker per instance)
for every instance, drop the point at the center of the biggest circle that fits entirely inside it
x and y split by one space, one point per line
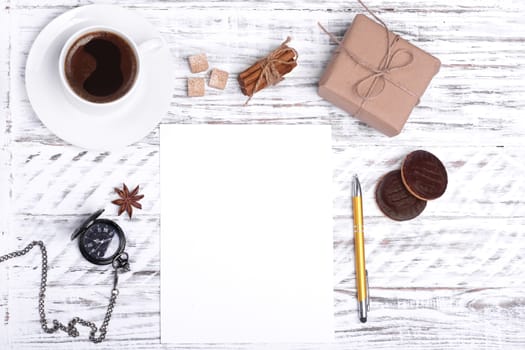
150 45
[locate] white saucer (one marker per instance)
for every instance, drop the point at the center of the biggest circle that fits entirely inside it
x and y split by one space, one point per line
127 124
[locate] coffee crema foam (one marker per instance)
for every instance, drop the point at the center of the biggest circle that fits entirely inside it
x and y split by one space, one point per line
101 66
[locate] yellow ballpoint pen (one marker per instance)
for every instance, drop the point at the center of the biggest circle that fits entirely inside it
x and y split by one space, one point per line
361 275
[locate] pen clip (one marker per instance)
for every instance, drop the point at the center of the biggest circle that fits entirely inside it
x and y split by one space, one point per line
367 292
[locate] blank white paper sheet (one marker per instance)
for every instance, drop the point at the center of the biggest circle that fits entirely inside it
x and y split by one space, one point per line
246 234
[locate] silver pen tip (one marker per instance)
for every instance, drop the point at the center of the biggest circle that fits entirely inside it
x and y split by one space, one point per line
356 186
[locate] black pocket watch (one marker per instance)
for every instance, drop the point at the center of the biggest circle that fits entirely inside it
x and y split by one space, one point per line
102 241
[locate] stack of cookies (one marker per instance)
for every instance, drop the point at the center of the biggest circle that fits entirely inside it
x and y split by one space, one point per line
403 194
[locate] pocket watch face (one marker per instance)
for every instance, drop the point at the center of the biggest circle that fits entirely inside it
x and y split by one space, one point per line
101 241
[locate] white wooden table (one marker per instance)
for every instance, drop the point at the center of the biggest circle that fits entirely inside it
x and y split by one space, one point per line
454 278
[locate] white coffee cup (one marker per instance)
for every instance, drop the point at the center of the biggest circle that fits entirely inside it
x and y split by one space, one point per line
138 49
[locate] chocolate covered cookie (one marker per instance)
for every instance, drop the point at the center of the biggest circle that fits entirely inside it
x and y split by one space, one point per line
424 175
395 201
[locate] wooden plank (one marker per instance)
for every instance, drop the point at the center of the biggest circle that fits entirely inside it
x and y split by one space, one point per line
474 283
52 180
399 254
411 319
420 6
478 88
5 160
66 180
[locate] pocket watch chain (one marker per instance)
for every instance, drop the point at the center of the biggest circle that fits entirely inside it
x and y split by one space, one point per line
71 329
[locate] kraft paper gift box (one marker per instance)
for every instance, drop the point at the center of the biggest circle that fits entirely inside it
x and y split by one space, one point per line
381 87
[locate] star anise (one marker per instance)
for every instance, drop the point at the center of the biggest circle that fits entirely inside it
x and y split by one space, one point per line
128 200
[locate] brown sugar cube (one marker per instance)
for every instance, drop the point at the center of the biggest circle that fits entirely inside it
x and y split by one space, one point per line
195 87
218 79
198 63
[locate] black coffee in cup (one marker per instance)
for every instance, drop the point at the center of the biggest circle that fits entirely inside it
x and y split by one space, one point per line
101 66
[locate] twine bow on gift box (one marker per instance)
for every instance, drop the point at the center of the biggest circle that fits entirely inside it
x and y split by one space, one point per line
381 73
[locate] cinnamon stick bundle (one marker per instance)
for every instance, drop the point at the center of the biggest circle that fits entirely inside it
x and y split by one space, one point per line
268 70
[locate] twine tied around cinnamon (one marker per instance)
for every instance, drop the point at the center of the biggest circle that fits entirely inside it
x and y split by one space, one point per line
269 72
381 73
